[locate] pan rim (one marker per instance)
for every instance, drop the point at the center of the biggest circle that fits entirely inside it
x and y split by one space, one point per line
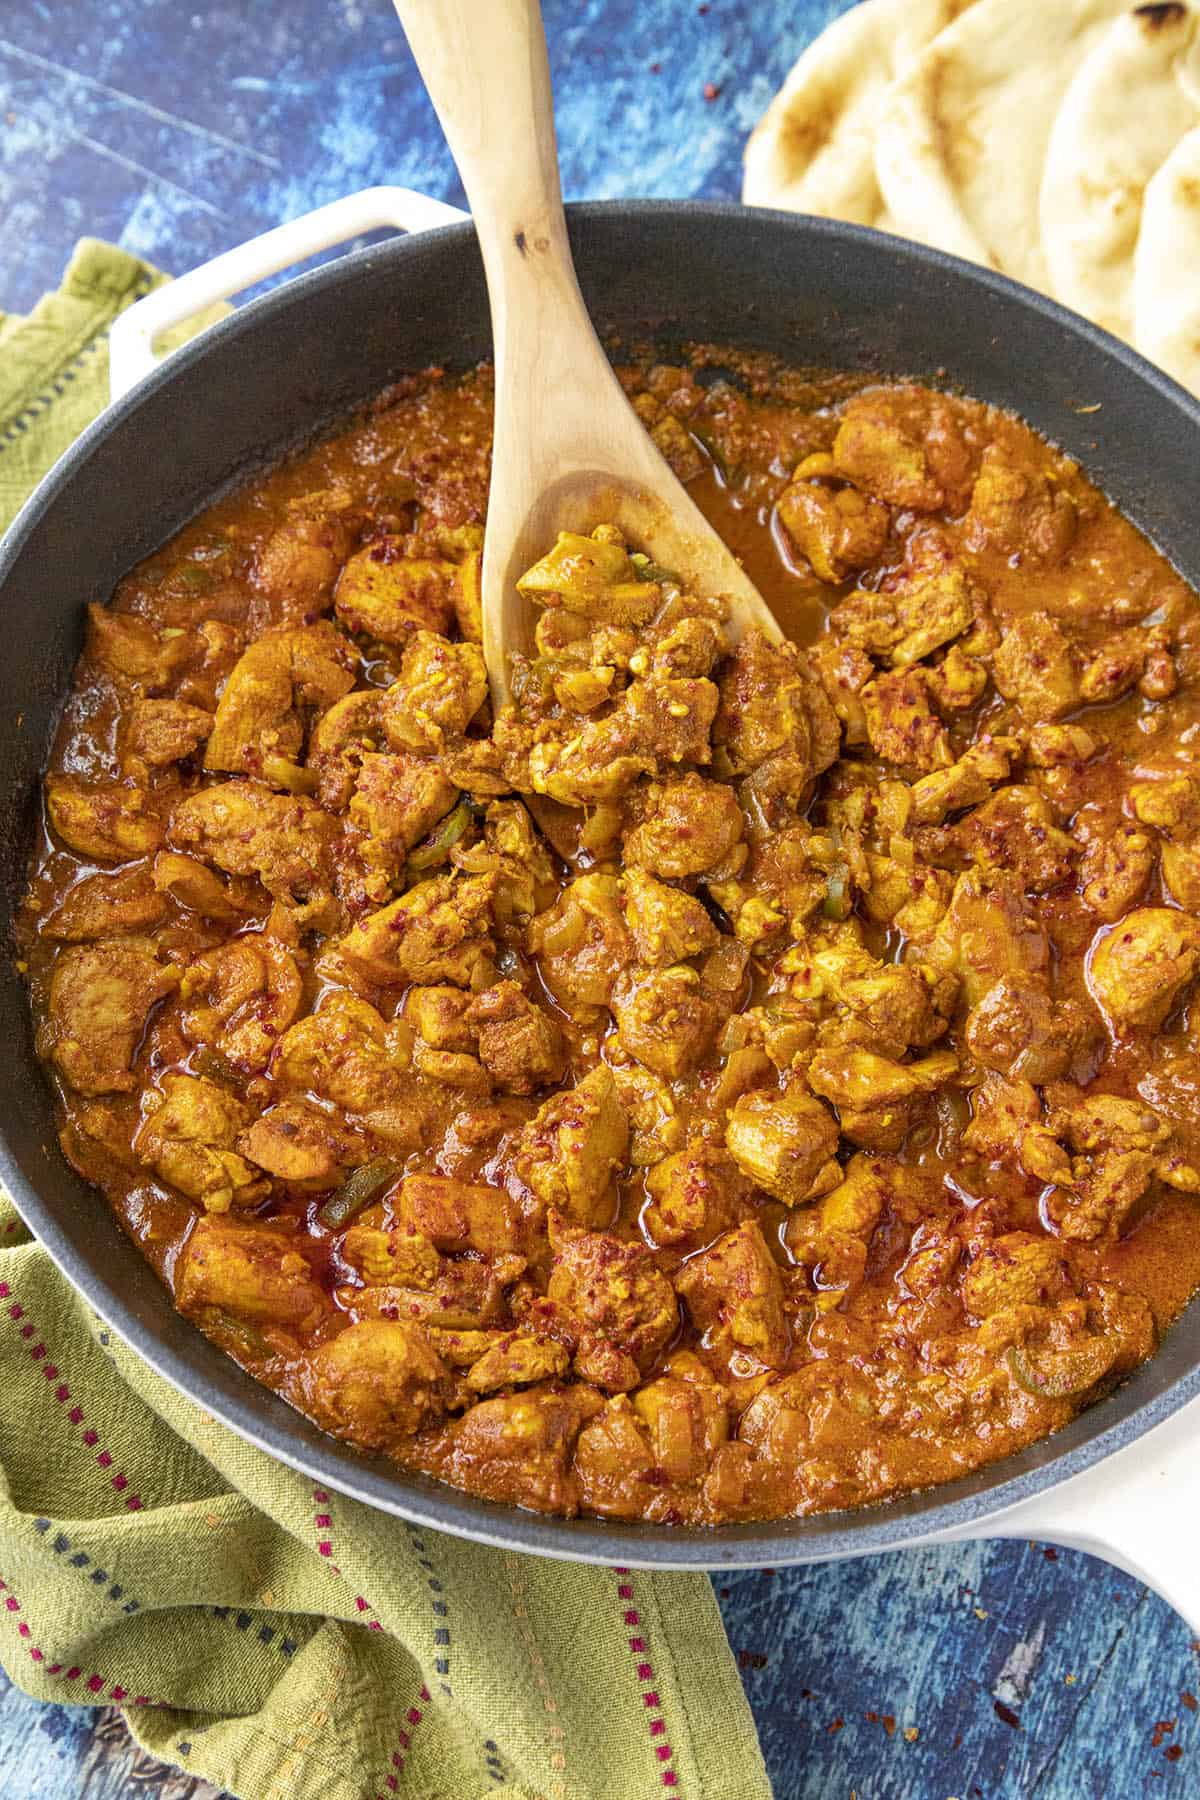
1151 1396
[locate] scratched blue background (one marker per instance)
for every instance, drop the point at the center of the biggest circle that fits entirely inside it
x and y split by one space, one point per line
179 132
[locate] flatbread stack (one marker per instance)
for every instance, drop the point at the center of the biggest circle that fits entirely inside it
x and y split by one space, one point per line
1058 143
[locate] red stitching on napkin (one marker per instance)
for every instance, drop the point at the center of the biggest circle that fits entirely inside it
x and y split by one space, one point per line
414 1716
62 1393
323 1521
96 1684
644 1669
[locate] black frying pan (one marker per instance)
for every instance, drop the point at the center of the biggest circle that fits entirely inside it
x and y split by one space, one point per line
283 369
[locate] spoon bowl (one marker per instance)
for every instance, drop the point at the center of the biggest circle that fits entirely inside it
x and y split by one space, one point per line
569 452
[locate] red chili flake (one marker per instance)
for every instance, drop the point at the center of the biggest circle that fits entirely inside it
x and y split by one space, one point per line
1173 1752
751 1659
656 68
836 1726
807 1694
871 1718
1162 1728
1189 1700
1006 1713
889 1723
1050 1553
711 90
1195 1644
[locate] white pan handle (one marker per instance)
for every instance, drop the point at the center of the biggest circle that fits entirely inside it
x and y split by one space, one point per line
134 333
1139 1509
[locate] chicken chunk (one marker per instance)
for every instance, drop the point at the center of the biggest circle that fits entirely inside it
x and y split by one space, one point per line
299 563
200 889
933 606
843 672
103 906
102 821
1015 830
901 724
836 529
1034 666
773 705
881 447
187 1136
1117 862
594 577
1121 662
685 827
653 726
885 1007
436 932
461 1215
1022 513
161 732
439 1016
989 932
667 1019
259 725
582 941
343 1054
666 924
625 1306
1018 1030
241 997
440 689
785 1142
568 1154
386 595
520 1043
148 657
1141 967
969 780
1119 1146
1172 806
397 801
735 1288
515 1360
245 829
875 1096
299 1145
656 1123
101 995
694 1195
378 1382
1018 1269
517 1448
685 1414
398 1258
832 1238
254 1272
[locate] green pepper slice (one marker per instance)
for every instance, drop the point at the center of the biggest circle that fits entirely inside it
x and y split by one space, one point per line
358 1190
1062 1374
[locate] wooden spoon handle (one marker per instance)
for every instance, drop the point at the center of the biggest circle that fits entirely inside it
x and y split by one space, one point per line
484 64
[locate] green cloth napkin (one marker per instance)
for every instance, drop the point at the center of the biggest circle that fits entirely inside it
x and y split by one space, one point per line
278 1639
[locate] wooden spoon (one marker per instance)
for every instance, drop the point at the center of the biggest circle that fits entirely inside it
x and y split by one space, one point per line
569 451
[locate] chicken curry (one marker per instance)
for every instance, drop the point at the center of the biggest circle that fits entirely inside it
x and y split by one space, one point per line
738 1080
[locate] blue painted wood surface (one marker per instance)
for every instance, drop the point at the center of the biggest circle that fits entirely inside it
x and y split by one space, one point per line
983 1673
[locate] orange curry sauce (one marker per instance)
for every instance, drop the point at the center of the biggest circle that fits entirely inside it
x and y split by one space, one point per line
815 1117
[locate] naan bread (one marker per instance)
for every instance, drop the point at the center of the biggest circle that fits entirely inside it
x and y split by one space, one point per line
1166 277
961 141
1135 95
814 150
